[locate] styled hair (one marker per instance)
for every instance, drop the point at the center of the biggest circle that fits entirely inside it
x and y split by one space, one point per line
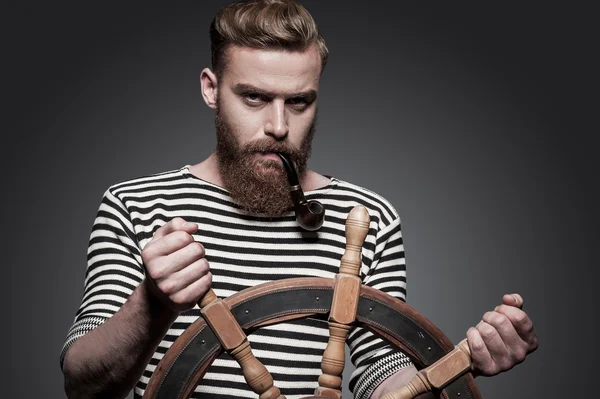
264 24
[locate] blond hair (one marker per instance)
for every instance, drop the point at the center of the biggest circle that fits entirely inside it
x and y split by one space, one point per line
264 24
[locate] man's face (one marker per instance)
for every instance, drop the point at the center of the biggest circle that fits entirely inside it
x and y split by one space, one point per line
266 104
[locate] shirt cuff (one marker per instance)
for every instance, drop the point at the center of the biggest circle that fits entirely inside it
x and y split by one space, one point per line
78 330
376 373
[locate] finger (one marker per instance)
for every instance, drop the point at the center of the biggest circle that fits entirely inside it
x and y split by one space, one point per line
521 323
513 300
495 345
165 246
190 295
177 260
175 224
512 342
503 326
185 277
482 360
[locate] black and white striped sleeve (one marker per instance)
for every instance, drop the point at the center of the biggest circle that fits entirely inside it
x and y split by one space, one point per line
375 359
114 269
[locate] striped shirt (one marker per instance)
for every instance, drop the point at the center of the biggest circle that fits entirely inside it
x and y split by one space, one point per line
243 251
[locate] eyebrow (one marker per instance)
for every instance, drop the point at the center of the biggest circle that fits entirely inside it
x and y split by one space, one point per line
245 88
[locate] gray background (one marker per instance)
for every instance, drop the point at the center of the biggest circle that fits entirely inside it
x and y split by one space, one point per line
477 122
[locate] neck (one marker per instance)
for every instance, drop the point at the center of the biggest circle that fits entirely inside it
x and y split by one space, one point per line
208 170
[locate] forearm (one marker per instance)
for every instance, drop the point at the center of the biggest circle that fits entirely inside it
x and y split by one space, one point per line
108 361
397 381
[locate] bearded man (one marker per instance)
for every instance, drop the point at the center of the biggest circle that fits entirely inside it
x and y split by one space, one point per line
159 242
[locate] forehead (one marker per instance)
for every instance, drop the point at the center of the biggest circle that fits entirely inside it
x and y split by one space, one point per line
278 71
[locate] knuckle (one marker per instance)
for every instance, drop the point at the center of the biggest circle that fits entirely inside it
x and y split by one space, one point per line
479 367
206 281
485 366
198 292
505 364
203 262
177 222
500 320
521 318
202 266
534 343
206 265
490 317
477 346
496 319
167 286
147 254
486 331
182 238
475 342
520 355
493 368
528 328
154 273
197 250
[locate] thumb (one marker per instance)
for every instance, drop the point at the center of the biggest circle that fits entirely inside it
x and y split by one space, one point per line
513 300
190 227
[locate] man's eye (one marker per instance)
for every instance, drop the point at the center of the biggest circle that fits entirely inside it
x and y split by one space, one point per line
298 102
253 97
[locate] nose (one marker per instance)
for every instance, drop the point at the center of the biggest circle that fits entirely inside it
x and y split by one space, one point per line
277 125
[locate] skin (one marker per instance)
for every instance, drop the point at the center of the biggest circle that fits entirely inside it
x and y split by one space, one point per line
108 361
500 341
263 93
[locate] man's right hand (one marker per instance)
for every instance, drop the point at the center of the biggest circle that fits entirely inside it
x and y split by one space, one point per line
176 271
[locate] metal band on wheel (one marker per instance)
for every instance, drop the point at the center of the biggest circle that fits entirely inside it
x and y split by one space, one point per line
186 362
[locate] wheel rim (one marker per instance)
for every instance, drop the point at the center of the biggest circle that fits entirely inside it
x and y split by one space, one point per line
185 363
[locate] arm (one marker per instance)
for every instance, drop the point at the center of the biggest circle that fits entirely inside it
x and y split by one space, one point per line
503 339
108 361
130 300
374 358
397 381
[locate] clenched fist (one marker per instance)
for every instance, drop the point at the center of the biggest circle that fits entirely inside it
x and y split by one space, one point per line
503 338
176 271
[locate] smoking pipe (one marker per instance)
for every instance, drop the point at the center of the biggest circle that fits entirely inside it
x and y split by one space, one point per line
309 214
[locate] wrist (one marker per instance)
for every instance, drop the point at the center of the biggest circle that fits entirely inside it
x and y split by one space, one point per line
154 305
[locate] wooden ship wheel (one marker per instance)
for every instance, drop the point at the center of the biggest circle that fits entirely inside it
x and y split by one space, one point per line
444 369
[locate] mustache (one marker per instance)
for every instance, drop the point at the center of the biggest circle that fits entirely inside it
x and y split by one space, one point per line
268 145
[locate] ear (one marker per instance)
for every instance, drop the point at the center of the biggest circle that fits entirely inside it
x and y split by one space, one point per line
209 87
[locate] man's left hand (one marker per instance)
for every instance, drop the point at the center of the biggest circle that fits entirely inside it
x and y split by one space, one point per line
503 338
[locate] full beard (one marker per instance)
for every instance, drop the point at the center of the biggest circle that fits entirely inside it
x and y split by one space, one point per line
259 186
